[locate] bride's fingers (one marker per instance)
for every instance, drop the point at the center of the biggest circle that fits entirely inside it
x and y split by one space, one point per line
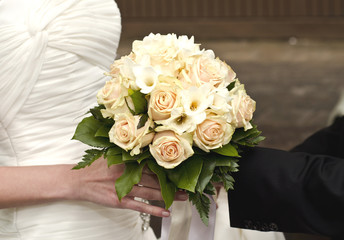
149 180
154 194
146 193
143 207
181 196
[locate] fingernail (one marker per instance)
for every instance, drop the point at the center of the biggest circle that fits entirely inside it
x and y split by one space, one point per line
165 213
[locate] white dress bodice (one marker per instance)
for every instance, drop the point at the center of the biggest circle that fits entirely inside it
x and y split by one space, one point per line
53 55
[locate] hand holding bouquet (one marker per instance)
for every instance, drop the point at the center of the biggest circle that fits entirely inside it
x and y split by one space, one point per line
176 109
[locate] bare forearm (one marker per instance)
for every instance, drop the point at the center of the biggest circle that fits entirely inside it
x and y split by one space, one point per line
20 186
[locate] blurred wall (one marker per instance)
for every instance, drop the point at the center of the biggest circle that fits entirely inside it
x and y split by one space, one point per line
234 18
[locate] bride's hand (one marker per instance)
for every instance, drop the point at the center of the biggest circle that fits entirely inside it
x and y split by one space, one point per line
96 184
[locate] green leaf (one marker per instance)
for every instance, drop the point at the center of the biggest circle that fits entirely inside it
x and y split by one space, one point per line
114 159
234 166
103 131
142 121
257 139
185 176
114 151
224 170
143 156
130 91
251 141
210 189
248 138
221 160
240 133
140 102
138 158
206 174
97 114
168 189
202 204
224 161
114 155
228 181
247 144
86 131
216 177
252 135
231 85
131 110
227 150
127 157
199 151
90 156
131 176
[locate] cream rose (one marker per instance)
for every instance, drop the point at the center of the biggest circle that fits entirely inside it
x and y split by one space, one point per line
208 69
212 133
243 107
127 107
112 93
117 65
220 104
162 101
124 133
162 51
170 150
126 74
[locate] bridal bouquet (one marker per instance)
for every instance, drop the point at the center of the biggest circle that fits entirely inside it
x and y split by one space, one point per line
176 109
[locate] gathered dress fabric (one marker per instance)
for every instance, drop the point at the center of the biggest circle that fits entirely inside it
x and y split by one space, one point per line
53 55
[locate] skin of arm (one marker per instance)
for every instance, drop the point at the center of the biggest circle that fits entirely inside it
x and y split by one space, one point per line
30 185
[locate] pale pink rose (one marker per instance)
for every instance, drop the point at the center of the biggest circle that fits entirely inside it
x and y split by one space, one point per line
243 107
162 101
115 67
125 134
212 133
112 94
207 69
184 79
170 150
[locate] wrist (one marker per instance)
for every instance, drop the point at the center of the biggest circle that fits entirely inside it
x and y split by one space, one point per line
67 186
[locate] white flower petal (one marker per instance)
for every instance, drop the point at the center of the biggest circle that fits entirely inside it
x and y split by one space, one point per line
146 78
197 100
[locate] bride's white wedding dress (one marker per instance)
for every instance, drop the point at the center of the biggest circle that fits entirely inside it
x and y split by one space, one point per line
52 57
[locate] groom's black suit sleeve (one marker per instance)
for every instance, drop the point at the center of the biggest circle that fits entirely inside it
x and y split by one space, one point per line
297 191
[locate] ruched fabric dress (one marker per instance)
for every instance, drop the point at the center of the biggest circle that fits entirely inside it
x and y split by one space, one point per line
53 55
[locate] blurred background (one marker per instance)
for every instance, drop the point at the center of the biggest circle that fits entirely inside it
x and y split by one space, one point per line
288 53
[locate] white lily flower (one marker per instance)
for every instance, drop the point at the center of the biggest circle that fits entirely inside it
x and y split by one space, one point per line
180 122
220 104
146 78
196 100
